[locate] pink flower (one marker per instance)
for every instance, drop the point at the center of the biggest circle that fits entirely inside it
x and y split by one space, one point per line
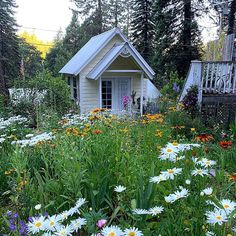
101 223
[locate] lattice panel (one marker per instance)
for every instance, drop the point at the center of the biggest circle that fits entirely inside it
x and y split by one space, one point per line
223 113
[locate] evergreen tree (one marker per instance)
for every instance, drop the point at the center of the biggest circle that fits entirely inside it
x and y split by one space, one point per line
177 37
143 28
9 59
31 60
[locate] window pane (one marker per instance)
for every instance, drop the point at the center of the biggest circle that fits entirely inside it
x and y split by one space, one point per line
68 81
74 82
75 93
107 94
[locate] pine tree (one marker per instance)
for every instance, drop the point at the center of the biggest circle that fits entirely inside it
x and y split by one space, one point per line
9 59
177 37
143 28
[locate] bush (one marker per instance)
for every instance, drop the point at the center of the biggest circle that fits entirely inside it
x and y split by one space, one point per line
35 96
172 89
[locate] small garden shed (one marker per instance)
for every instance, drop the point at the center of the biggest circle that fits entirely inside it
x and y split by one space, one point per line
109 71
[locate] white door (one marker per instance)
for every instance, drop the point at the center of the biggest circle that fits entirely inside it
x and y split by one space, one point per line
123 88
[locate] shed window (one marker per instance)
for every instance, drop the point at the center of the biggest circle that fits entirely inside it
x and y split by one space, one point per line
107 94
75 88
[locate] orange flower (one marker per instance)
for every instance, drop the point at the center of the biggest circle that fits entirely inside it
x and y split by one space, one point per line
204 137
225 144
232 177
97 131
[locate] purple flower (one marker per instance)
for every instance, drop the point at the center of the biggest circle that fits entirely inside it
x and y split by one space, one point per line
12 227
176 87
9 213
15 215
101 223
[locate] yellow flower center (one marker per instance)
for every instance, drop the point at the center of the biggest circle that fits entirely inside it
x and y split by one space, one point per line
171 171
38 224
52 223
169 150
226 206
207 163
112 234
175 144
199 171
132 233
219 217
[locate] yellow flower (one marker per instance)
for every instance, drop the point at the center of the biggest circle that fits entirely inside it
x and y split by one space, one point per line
159 133
193 129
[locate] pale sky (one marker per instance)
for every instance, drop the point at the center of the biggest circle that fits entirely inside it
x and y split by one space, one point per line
51 15
43 14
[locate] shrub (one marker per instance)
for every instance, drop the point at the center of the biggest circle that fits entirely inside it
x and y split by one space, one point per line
34 96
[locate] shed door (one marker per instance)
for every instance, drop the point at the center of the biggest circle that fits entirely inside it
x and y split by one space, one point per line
123 86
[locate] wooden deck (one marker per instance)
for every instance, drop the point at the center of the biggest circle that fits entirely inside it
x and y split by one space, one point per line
216 83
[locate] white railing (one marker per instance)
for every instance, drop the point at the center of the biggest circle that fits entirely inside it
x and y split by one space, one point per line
213 77
219 77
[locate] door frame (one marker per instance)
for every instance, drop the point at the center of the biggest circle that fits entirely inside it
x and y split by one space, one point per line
114 95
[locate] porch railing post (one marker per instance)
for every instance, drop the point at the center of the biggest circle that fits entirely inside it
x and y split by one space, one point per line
141 98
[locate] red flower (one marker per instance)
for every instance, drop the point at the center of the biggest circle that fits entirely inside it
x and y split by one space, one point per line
225 144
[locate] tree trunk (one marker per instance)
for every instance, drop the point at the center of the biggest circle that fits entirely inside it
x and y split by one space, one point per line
231 18
100 16
187 24
3 87
116 13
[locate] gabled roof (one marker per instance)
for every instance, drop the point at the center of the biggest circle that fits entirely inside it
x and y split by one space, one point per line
113 54
89 51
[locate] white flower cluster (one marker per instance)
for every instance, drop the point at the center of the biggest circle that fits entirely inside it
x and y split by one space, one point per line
221 213
33 140
171 150
74 119
4 123
152 211
181 193
117 231
53 225
165 175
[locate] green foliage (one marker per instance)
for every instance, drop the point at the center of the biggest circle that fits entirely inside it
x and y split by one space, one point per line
41 94
31 59
143 28
190 101
173 87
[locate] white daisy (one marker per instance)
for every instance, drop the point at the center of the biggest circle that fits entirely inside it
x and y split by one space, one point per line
158 179
64 215
156 210
52 223
77 224
216 216
119 189
200 172
228 205
170 173
182 193
112 231
206 191
132 232
36 225
73 210
140 212
64 231
206 163
209 233
80 202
